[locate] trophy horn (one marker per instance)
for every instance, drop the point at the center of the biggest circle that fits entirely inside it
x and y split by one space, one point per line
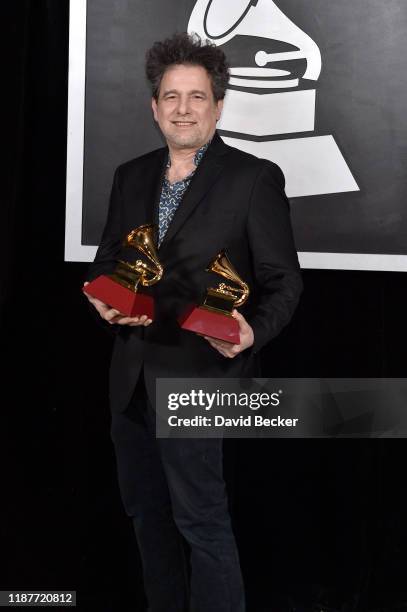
142 239
222 266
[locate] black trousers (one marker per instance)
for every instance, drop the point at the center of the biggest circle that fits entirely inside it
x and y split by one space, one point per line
174 489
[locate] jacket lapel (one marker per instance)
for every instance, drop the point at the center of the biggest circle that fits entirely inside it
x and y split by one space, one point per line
205 176
152 179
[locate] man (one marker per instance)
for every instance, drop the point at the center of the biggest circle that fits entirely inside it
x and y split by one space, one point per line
205 197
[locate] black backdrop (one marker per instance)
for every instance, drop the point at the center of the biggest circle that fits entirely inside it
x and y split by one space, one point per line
315 519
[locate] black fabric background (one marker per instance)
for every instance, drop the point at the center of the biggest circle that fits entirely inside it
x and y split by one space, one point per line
316 520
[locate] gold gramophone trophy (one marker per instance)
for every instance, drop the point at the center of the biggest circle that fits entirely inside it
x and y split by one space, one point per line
120 289
213 317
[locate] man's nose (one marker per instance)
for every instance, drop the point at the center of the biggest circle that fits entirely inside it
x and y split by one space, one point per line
183 106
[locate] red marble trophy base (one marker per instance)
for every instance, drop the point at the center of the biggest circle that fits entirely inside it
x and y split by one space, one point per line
122 299
209 323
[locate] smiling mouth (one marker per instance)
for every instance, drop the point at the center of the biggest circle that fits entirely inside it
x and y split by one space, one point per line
184 123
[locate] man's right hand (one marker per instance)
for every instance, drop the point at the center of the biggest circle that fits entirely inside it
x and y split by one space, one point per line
111 315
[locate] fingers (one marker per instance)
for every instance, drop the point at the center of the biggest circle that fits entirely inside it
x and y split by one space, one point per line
120 319
98 304
109 314
219 344
87 294
243 324
220 350
246 331
135 321
224 348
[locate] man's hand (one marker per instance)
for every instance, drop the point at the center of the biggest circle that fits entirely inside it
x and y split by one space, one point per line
111 315
246 339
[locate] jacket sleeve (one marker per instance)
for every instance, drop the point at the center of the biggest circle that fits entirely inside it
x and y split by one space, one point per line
274 257
106 256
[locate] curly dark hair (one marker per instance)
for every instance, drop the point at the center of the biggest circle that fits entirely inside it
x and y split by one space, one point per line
187 48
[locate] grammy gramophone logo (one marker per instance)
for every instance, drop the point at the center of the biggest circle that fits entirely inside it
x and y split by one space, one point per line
273 94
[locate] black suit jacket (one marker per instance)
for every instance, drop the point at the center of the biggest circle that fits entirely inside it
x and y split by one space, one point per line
235 201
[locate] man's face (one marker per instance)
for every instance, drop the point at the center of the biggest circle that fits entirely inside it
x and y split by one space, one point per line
186 110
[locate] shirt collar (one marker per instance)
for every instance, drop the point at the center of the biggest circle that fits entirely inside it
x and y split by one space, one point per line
198 155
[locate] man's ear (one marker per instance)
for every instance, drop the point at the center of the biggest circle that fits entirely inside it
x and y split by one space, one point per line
219 105
154 107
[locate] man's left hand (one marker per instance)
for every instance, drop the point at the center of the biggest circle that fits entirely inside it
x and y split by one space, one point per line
246 339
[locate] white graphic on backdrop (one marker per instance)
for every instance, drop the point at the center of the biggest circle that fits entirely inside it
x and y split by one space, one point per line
312 164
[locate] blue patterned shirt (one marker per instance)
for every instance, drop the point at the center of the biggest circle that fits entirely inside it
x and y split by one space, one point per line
172 194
